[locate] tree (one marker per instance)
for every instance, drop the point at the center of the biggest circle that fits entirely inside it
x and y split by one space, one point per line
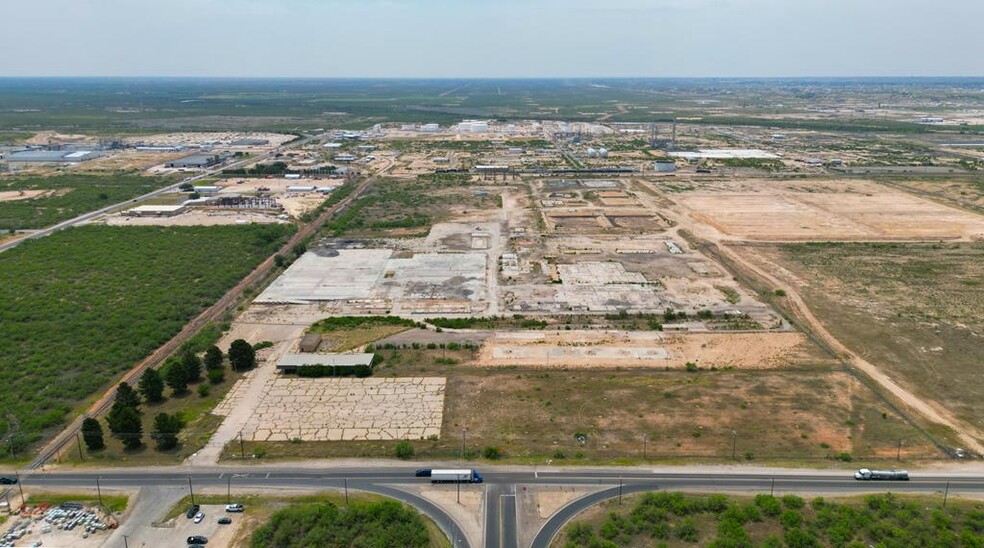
125 424
92 434
151 385
127 396
242 357
166 429
213 358
192 367
176 378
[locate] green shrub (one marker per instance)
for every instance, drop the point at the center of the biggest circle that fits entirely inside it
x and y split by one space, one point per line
492 453
384 523
790 519
686 530
768 504
403 450
204 390
793 502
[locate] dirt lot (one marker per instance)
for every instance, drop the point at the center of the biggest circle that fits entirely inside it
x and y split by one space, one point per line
656 349
848 210
535 415
195 218
912 309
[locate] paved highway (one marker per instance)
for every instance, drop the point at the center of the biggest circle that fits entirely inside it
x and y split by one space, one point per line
501 509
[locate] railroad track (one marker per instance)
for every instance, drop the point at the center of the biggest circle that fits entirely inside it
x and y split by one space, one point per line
211 314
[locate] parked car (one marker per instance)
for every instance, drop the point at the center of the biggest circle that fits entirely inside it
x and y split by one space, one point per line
234 508
199 517
7 481
225 520
197 539
192 510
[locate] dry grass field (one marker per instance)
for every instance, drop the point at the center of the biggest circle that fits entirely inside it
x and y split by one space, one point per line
911 309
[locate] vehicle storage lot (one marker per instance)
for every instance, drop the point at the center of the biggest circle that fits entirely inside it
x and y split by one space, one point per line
175 532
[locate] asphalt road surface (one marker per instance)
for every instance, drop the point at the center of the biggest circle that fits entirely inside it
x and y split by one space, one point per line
501 522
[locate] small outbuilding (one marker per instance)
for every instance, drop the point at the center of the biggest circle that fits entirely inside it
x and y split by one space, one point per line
291 363
310 342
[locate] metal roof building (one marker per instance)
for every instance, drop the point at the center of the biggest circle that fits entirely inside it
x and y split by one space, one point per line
197 161
52 156
291 362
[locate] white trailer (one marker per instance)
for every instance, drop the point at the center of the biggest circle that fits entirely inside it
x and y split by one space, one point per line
455 476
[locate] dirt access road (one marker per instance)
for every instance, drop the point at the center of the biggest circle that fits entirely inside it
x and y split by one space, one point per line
969 434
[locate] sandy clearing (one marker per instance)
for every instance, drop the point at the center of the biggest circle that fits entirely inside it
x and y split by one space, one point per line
826 210
195 218
17 195
610 349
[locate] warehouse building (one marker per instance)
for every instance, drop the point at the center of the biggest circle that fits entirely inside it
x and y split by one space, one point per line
195 161
156 211
52 156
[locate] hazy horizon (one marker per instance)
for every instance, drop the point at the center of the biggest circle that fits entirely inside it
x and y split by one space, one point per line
506 39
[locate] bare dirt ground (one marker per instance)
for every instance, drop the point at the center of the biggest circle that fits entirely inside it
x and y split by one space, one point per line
693 220
812 210
932 410
195 218
653 349
17 195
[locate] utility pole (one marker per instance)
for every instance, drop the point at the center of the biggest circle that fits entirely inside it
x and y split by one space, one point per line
946 492
229 489
99 491
772 492
620 490
242 448
898 452
458 484
125 543
645 443
191 490
463 433
345 480
78 440
734 444
21 487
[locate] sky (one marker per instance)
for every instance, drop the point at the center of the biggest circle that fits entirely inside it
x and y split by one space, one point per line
492 38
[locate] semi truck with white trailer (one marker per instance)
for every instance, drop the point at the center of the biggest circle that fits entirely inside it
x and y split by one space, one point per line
463 475
883 475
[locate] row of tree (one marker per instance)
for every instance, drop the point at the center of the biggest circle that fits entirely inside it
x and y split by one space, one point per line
125 418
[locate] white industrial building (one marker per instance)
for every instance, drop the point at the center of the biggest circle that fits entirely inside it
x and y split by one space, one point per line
52 156
664 167
473 126
430 128
156 211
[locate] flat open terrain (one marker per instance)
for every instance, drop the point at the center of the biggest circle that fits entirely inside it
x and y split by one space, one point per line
837 210
912 309
344 409
810 412
83 305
